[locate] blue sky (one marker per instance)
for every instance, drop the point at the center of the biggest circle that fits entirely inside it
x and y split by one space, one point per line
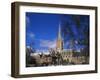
42 28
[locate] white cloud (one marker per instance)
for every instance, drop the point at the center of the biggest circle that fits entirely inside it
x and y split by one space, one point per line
48 43
31 35
27 20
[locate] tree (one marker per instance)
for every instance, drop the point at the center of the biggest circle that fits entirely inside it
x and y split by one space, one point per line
29 58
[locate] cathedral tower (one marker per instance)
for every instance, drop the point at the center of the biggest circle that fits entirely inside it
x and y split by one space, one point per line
59 43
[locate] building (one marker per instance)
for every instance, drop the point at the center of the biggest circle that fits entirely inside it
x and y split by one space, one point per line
69 56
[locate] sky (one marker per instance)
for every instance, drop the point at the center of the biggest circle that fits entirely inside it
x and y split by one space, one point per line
42 28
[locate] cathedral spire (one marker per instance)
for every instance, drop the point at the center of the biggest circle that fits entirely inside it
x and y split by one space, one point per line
59 31
59 44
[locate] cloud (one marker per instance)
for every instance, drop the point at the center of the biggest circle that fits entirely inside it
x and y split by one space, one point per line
31 35
48 43
27 19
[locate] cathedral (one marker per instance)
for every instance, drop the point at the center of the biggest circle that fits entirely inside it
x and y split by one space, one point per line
68 55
